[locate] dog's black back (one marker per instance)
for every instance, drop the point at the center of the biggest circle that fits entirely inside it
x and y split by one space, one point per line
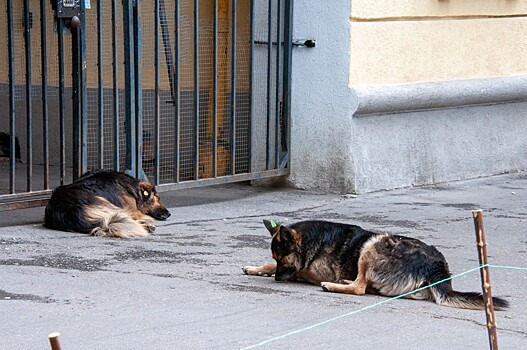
102 198
5 146
343 241
65 210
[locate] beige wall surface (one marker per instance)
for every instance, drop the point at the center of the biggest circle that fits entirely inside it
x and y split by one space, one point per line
367 9
425 41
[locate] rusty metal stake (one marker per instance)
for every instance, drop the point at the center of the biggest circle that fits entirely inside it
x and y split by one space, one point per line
485 278
54 341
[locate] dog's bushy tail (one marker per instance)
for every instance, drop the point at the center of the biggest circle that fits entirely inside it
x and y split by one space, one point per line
111 221
445 295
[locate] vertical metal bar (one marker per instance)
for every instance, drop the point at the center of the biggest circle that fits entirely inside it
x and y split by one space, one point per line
286 76
75 71
169 59
196 89
116 129
130 85
83 91
138 63
60 47
177 90
269 49
156 93
100 101
80 153
11 54
251 80
278 92
215 94
29 107
233 90
43 52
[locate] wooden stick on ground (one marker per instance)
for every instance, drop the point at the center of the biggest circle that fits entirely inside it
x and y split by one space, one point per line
54 341
485 278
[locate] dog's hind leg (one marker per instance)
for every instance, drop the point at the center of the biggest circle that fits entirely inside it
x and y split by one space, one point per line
264 270
359 285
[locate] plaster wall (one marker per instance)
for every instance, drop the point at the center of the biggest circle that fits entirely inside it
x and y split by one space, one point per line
407 93
437 132
322 103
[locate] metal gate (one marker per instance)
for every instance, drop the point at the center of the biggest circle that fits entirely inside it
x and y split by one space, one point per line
183 92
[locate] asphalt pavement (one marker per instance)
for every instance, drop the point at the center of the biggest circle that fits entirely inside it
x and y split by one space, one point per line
183 287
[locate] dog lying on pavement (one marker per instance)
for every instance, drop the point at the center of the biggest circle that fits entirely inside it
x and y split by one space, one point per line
105 203
347 259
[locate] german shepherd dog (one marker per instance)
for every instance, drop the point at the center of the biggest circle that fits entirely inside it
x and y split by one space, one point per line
105 203
347 259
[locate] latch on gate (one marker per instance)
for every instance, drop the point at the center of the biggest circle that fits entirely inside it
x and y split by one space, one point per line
304 42
67 8
296 42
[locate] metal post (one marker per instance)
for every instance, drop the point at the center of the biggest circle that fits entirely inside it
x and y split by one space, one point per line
116 127
177 87
278 92
196 90
485 279
215 94
233 90
83 91
130 86
286 98
251 90
269 49
138 63
12 114
100 100
60 48
29 107
156 91
43 52
75 38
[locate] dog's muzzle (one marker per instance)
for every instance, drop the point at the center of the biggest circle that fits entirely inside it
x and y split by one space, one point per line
160 213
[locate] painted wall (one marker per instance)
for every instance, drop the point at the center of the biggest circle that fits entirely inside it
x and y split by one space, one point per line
394 42
407 93
322 104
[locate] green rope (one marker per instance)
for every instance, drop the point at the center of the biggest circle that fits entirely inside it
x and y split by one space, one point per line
377 304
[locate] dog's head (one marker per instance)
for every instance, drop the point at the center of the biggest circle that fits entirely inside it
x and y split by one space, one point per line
285 247
149 203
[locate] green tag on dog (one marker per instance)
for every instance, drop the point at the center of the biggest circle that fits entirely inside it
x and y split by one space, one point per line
273 224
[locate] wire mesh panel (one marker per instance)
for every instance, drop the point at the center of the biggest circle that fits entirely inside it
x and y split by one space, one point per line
106 122
33 87
211 102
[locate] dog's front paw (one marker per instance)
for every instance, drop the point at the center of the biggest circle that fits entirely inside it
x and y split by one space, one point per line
264 270
326 286
257 271
252 270
148 226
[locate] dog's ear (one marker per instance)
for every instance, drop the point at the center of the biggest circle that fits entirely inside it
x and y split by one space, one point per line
290 236
271 226
146 189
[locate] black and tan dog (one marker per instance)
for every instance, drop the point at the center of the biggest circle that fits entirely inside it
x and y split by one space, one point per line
348 259
105 203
